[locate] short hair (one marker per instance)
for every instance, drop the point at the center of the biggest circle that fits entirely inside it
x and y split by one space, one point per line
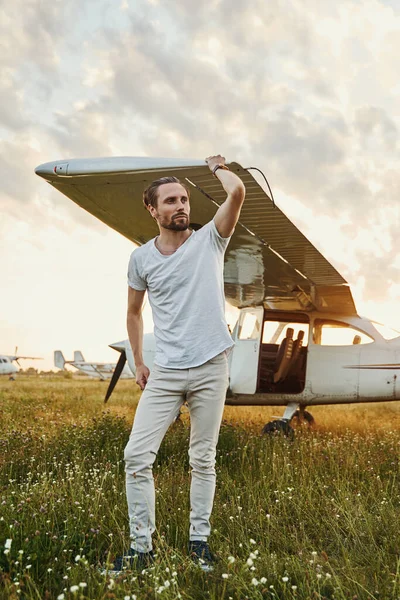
150 194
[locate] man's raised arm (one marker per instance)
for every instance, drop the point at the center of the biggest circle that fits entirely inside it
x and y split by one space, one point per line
134 323
228 213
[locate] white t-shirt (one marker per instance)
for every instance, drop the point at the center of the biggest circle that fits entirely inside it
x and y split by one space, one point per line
186 294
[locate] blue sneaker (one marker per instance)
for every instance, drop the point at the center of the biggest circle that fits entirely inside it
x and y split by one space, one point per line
133 561
201 555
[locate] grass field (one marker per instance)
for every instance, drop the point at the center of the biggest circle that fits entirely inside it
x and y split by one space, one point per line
316 517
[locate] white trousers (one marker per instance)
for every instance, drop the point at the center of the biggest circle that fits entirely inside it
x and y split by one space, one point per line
204 390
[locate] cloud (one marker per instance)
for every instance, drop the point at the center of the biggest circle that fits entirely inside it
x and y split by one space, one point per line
309 96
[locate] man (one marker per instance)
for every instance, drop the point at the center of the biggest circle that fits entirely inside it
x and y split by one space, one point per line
182 271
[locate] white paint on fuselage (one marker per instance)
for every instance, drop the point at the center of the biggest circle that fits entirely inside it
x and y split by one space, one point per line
7 367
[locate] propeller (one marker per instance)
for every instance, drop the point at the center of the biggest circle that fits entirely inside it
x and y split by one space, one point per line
117 372
16 356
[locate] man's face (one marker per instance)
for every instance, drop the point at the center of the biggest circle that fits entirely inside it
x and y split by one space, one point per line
173 208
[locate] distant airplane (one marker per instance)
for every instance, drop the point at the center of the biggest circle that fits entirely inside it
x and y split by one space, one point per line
7 366
101 371
299 341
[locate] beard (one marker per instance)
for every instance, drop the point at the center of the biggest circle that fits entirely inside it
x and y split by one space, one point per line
175 224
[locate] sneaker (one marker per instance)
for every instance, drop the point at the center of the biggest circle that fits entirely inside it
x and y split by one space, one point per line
133 561
201 555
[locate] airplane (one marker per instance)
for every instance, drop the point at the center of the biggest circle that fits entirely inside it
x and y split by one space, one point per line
7 366
101 371
299 341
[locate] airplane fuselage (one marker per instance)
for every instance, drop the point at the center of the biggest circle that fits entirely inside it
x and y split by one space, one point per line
7 367
99 371
343 359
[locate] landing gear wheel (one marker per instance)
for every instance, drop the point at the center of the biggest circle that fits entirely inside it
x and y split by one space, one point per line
278 427
301 418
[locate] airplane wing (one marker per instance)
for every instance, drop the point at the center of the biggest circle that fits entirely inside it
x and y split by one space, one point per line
268 260
13 357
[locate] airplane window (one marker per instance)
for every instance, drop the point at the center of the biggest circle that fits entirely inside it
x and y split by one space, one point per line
335 333
386 332
249 327
275 331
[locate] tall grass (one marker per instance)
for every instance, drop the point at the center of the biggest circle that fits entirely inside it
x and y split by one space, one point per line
316 517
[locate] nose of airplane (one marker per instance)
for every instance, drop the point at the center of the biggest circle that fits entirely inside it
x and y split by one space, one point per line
120 346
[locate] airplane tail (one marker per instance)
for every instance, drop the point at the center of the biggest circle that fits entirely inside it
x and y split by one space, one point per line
78 356
59 360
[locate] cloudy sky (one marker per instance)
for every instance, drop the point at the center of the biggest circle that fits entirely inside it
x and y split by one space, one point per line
308 91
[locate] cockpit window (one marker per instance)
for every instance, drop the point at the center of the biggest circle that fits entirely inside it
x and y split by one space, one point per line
249 326
336 333
275 331
386 332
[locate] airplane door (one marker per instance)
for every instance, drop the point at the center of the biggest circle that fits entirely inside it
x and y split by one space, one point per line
245 356
333 370
334 358
376 381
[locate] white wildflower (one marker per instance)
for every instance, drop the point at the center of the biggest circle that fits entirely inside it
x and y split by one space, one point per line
83 584
252 541
61 597
8 543
249 562
231 560
225 575
285 579
74 588
263 580
255 581
77 558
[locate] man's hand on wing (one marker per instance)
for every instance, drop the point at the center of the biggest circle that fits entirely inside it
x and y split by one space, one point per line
142 375
213 161
228 213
